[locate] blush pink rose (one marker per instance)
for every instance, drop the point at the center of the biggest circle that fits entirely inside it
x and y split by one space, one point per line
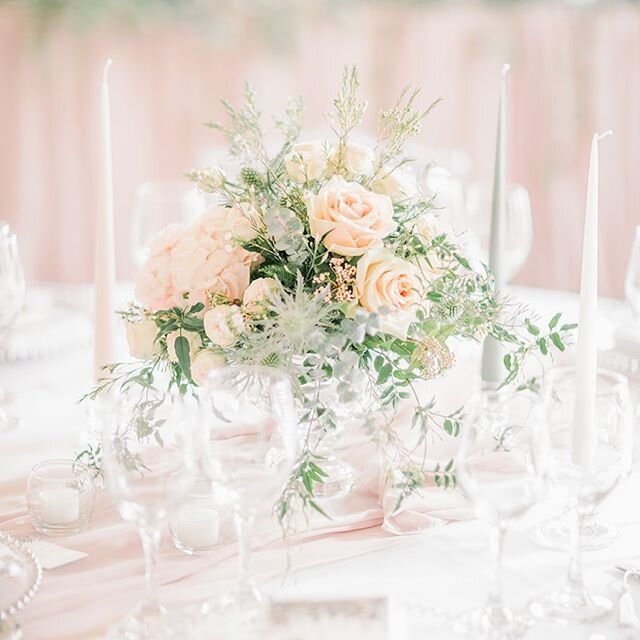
353 219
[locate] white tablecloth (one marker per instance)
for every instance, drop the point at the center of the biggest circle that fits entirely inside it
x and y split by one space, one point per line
445 567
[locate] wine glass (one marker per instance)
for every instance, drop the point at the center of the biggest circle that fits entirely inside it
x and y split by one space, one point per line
580 485
12 292
632 280
498 466
518 238
149 464
249 422
613 406
158 204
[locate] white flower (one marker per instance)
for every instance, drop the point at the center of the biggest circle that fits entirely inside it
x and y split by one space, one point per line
430 227
398 184
358 160
141 338
258 292
192 338
223 324
204 362
306 161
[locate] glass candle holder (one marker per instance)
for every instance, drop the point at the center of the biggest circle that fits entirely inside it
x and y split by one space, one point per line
203 520
60 497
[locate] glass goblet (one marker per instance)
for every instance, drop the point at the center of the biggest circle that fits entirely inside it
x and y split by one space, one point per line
498 467
149 464
632 279
519 224
581 486
157 205
12 292
249 422
613 406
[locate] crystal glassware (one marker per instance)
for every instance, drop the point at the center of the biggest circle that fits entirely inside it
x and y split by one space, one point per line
249 423
498 466
519 224
12 292
581 487
60 497
150 466
632 279
157 205
613 406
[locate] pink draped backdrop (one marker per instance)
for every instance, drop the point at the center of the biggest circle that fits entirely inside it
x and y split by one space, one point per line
574 71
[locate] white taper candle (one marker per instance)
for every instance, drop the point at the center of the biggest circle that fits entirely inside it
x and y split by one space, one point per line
105 279
492 370
584 425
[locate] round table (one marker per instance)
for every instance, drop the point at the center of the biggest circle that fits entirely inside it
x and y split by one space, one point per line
444 567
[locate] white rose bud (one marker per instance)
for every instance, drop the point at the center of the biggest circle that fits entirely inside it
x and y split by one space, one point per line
204 362
306 161
192 338
358 160
141 338
258 292
398 184
223 324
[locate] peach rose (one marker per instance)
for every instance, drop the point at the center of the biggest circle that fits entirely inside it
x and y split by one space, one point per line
204 362
141 337
258 292
223 324
351 219
384 281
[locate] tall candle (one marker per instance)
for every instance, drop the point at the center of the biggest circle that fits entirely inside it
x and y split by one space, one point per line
584 426
104 346
492 370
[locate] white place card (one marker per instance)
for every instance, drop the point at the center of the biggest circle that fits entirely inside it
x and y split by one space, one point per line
336 619
52 555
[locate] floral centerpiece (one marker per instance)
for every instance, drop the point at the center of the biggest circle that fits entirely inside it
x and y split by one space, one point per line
326 260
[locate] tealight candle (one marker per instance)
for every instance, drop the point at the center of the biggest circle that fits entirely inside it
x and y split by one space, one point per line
198 527
60 505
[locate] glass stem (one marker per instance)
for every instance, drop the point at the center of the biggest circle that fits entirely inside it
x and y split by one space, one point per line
496 544
244 523
150 536
576 522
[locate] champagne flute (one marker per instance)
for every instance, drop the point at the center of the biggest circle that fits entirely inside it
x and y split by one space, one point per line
498 466
249 424
149 464
581 487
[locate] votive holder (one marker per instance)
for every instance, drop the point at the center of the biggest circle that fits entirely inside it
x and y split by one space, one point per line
61 496
203 520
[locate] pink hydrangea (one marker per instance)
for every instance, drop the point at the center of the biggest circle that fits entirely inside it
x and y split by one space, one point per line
187 262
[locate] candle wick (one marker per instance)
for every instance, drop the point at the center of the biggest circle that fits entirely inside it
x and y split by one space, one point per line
600 136
505 69
105 72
